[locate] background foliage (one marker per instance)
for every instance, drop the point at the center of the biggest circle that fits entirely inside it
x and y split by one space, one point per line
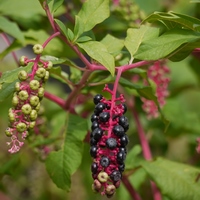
29 174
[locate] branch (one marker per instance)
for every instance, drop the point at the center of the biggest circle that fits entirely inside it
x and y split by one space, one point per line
55 99
130 188
5 38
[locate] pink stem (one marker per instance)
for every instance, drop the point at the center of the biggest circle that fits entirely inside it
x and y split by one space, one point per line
146 151
130 188
114 92
55 99
50 38
5 37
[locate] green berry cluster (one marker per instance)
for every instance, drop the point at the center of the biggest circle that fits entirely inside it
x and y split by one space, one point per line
29 91
129 11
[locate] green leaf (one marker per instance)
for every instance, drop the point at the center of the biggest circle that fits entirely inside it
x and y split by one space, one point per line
99 52
16 44
10 76
177 181
174 20
91 14
62 27
195 1
63 163
109 40
8 79
136 36
75 75
11 28
57 73
56 4
167 44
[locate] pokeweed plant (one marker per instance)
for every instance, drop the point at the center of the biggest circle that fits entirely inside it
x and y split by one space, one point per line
118 72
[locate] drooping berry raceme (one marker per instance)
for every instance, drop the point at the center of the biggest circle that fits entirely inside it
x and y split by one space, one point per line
108 142
29 91
158 73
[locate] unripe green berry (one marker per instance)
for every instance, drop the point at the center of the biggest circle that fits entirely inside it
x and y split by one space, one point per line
22 75
41 92
102 177
11 116
41 72
33 115
8 132
17 86
37 108
23 95
32 124
22 61
49 65
21 127
34 100
34 84
15 100
37 48
26 109
46 76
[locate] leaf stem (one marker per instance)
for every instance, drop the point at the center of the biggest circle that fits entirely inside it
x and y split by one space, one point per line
130 188
5 38
50 38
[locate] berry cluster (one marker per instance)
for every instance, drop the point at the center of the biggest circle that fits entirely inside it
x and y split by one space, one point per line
108 142
158 74
29 91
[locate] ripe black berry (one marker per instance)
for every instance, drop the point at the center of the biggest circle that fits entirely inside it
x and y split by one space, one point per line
124 107
94 118
123 149
94 167
104 161
104 116
99 108
115 176
118 130
121 167
93 141
123 121
121 156
95 125
97 98
93 151
124 141
97 133
111 143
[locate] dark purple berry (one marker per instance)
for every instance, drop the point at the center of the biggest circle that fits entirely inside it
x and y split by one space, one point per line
121 167
94 118
124 140
95 125
97 98
94 167
124 108
104 161
97 133
93 151
99 108
104 116
115 176
123 121
93 141
118 130
123 149
121 156
111 143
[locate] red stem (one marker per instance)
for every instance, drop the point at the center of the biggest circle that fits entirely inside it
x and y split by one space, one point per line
5 37
130 188
55 99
